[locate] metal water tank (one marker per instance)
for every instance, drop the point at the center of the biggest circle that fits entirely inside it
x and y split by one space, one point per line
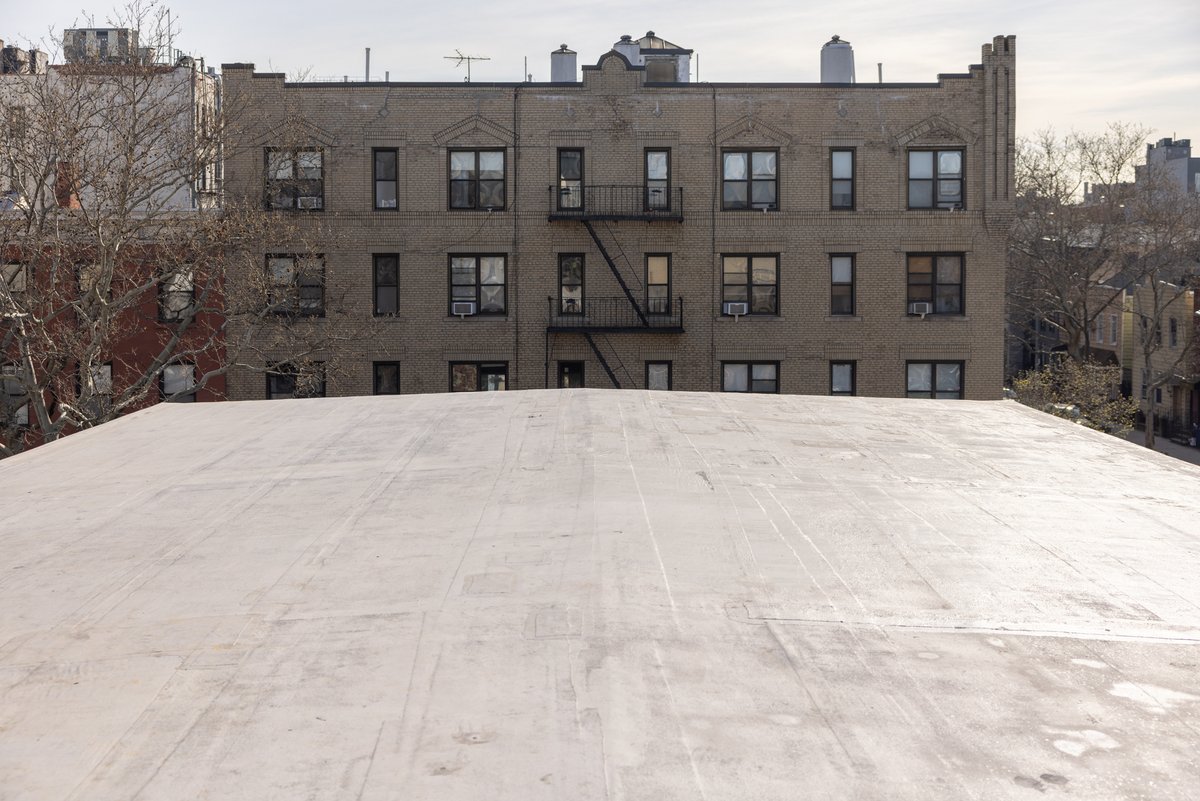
837 61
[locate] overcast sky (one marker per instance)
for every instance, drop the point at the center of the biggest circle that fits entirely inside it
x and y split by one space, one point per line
1080 63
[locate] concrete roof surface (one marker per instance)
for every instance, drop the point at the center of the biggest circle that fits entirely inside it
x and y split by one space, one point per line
590 594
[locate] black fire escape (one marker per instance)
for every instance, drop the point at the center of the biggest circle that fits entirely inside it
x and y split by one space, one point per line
597 207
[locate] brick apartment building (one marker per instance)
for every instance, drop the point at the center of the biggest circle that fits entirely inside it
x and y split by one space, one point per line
623 226
98 294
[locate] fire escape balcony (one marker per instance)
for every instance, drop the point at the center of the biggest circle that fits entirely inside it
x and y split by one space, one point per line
614 315
636 202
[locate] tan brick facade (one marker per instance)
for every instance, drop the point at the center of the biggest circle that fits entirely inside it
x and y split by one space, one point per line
613 116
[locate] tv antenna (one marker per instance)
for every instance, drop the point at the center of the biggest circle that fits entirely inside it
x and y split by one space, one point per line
459 58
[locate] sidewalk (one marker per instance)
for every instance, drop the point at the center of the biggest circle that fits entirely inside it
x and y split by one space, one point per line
1163 445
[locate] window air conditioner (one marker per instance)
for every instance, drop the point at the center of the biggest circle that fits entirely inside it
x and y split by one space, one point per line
737 309
308 202
920 308
463 308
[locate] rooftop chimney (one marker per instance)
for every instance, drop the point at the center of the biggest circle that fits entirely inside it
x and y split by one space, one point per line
837 61
562 65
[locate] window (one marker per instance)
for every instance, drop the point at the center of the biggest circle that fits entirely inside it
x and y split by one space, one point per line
570 283
176 296
14 411
385 167
935 379
178 383
387 378
936 279
658 375
1145 380
1098 330
841 284
570 375
570 179
660 70
15 277
1174 333
296 285
387 283
658 180
292 381
750 376
478 376
477 179
751 279
479 279
935 179
93 283
95 393
841 179
295 179
658 283
749 179
1158 394
841 378
1112 329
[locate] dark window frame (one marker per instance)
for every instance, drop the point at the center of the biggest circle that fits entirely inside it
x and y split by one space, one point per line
375 377
187 397
479 373
562 300
376 180
475 180
934 364
479 312
296 306
650 307
853 180
376 286
560 181
10 272
934 284
833 296
269 183
935 202
750 377
853 377
582 372
749 179
750 284
283 370
168 313
18 417
670 373
646 187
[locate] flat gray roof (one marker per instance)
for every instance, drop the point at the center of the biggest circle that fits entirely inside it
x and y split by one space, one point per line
591 594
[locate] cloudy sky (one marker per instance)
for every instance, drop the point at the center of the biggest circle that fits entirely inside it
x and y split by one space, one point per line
1080 63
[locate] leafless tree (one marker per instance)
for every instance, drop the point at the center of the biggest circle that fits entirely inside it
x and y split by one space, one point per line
1088 234
122 272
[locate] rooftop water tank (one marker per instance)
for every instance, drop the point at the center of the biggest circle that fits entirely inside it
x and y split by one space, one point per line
837 61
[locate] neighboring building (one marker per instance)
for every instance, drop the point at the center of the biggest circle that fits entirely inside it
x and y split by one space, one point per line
1173 357
87 228
629 228
1172 160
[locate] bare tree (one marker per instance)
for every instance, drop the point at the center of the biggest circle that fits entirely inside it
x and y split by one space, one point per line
1088 234
122 272
1070 248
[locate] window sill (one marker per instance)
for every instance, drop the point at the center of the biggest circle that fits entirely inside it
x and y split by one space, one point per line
477 316
938 317
855 318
